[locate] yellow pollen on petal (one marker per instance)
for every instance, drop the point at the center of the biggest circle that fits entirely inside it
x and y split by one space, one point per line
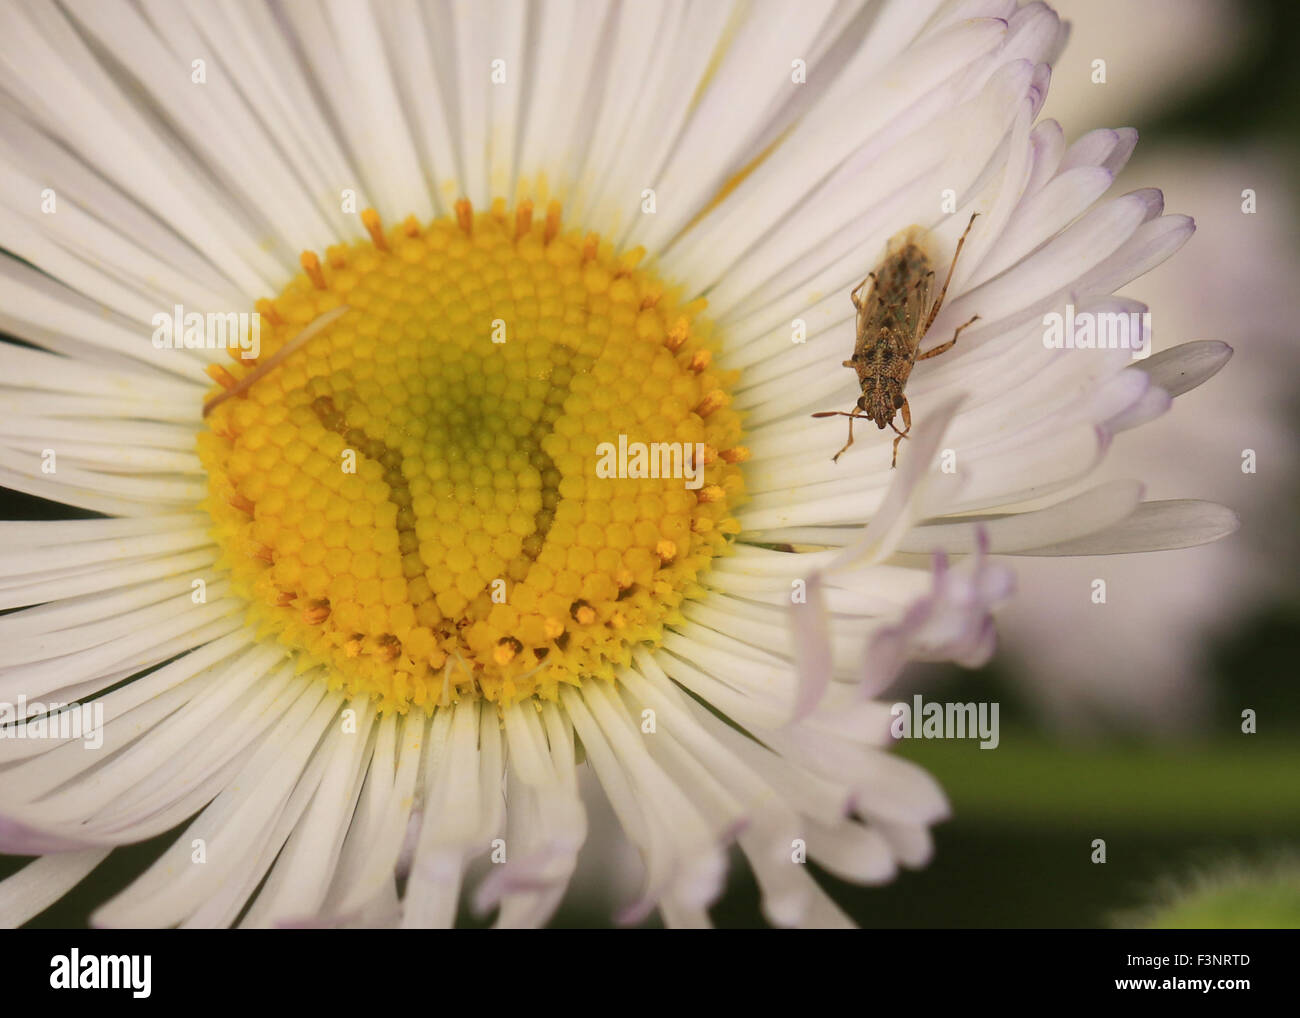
408 490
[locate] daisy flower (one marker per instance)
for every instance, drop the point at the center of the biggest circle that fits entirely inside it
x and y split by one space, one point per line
367 588
1234 278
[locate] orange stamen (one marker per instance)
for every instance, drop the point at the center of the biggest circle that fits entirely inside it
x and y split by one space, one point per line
714 400
678 334
523 219
552 222
375 227
267 310
311 266
241 503
315 612
221 376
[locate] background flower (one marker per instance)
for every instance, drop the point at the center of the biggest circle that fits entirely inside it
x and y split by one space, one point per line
1144 660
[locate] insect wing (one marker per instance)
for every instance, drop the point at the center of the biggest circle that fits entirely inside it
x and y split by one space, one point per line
915 285
869 312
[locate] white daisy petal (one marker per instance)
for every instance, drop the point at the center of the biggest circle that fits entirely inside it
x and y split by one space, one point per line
1155 526
42 882
299 880
1073 517
229 828
457 820
1186 366
101 122
375 835
548 815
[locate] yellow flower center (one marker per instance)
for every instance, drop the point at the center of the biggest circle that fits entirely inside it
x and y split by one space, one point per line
503 465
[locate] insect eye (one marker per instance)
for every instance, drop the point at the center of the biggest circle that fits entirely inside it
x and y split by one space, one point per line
898 401
862 402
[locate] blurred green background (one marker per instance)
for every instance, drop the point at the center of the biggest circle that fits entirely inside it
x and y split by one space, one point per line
1017 852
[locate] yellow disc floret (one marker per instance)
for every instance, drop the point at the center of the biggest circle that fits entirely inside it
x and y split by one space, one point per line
477 458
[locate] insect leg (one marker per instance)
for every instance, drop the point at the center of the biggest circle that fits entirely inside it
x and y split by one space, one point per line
836 457
934 311
950 344
853 294
840 413
907 426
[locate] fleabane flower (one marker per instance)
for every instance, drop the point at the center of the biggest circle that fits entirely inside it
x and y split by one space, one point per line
518 473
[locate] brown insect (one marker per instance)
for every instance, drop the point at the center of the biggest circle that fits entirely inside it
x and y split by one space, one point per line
892 320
